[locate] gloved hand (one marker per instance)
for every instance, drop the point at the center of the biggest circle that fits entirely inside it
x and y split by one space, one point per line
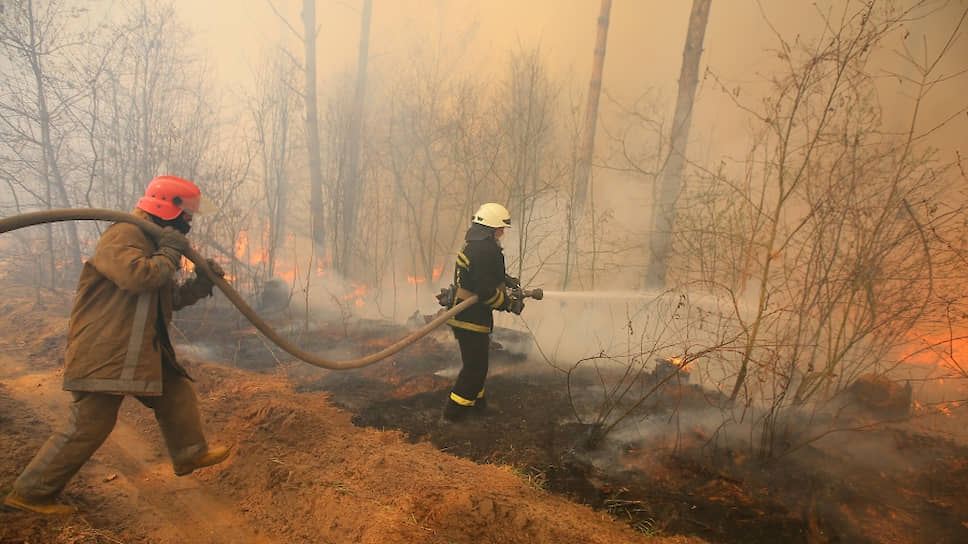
446 296
516 306
172 244
203 283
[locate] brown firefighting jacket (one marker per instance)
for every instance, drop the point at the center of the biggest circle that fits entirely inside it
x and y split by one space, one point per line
118 332
479 270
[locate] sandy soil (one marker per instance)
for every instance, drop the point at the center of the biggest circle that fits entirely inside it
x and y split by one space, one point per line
300 471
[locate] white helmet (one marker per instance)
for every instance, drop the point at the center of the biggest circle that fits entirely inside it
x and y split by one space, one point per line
492 215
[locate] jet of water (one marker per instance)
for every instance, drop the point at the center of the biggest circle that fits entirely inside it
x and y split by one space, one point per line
599 294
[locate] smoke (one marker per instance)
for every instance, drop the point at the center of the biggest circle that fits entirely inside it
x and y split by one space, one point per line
198 351
568 327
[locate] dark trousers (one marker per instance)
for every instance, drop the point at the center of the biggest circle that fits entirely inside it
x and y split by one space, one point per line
473 372
92 419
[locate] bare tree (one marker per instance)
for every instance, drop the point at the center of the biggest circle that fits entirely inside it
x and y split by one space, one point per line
312 121
35 40
530 168
664 207
152 111
824 242
121 101
352 180
584 165
437 158
272 112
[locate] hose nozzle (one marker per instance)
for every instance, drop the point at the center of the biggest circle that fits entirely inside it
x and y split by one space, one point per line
537 293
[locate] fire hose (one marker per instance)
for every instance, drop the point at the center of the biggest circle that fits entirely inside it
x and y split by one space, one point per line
8 224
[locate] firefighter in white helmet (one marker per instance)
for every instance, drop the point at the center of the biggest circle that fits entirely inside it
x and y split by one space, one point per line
479 270
118 345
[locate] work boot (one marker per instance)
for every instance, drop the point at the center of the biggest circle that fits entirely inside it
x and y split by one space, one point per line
48 506
211 457
454 412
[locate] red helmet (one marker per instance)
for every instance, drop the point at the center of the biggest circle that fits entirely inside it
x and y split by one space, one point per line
168 196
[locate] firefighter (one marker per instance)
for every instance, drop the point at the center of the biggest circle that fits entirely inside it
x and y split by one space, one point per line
479 271
118 344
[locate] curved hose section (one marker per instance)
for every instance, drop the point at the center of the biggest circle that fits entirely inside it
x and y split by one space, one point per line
8 224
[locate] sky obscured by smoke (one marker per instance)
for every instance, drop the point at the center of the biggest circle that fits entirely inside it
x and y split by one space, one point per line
644 50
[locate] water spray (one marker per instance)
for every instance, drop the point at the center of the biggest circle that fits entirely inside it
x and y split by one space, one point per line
598 294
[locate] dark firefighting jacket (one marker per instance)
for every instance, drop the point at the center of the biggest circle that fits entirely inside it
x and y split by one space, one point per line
118 334
479 270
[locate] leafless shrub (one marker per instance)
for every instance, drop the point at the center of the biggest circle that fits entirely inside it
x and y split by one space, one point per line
826 235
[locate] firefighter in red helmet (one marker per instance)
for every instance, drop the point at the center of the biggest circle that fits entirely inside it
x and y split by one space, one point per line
118 345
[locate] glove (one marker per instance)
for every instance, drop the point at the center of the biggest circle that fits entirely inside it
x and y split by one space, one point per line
172 244
446 296
511 282
516 306
204 284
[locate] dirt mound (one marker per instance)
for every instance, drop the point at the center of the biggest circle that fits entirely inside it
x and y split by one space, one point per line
298 457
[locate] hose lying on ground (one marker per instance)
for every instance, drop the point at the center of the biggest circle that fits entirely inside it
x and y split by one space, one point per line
8 224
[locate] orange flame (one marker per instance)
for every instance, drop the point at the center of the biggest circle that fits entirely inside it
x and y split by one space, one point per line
947 350
357 295
241 244
434 276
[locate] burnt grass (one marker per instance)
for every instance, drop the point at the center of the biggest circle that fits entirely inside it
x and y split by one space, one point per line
682 484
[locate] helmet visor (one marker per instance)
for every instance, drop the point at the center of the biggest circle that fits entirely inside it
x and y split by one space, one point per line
197 205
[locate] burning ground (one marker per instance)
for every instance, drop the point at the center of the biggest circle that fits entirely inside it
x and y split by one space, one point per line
361 456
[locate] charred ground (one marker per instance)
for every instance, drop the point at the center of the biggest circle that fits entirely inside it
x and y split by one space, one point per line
904 489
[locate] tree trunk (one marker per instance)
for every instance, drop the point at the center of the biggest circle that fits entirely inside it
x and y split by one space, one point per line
353 182
664 208
312 125
583 168
278 216
50 173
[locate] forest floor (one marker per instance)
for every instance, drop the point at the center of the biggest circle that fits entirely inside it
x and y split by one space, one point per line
362 455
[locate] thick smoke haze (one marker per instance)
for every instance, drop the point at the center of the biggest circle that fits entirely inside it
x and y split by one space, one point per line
644 52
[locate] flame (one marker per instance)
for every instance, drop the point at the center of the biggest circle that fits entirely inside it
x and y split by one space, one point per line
245 252
241 245
434 276
357 295
289 275
949 350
